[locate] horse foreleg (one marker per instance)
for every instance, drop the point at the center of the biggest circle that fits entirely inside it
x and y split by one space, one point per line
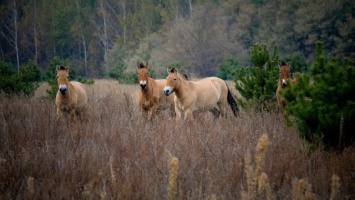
72 115
280 102
58 113
154 111
177 114
144 111
188 115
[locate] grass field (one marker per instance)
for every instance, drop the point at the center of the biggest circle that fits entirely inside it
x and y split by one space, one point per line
112 153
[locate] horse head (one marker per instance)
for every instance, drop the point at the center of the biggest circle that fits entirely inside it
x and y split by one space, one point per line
172 81
62 78
142 74
284 70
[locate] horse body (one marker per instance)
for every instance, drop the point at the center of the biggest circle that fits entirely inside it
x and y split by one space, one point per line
150 97
203 95
71 96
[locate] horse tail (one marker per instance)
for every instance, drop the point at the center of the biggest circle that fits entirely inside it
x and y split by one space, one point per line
232 102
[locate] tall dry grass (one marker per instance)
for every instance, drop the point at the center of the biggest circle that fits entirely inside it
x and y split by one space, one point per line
113 153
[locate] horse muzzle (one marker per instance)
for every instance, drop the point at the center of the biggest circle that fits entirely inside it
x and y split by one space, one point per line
167 90
62 89
143 86
284 83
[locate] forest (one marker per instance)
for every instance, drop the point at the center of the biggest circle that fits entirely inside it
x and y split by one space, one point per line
96 37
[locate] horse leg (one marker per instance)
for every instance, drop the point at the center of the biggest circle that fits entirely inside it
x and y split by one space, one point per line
154 111
177 113
72 115
58 113
145 112
215 112
188 115
172 111
222 108
279 102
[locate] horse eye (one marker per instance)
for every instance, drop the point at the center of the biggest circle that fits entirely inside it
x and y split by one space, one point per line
57 77
174 79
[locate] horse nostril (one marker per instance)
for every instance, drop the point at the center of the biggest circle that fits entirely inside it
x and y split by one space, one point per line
143 86
166 92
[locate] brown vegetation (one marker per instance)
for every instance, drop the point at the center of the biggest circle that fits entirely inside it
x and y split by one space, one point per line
114 154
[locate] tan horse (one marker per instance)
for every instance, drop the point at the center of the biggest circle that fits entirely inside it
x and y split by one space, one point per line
284 70
71 96
203 95
150 97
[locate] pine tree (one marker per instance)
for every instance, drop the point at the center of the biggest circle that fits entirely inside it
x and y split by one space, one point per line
322 104
257 84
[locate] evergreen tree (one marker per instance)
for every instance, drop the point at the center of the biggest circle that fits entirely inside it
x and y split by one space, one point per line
226 70
26 81
322 104
257 84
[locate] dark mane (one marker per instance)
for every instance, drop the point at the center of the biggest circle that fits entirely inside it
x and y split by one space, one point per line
184 76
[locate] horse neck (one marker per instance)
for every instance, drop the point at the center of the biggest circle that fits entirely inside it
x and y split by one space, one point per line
179 92
279 83
150 87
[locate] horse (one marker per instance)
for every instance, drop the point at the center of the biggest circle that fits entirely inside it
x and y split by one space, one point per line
71 96
150 97
284 80
203 95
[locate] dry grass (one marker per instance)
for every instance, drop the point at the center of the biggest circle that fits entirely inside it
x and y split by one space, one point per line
114 154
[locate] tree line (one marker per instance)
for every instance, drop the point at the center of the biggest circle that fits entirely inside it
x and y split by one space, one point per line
97 36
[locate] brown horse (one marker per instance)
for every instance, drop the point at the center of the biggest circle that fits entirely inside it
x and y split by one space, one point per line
284 70
202 95
150 97
71 96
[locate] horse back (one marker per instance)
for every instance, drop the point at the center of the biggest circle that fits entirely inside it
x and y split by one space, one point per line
212 86
80 93
208 92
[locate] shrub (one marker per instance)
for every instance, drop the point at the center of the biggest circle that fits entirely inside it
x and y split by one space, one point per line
322 104
24 81
257 84
122 77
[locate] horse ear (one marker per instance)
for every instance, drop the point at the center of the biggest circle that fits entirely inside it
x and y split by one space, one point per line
139 65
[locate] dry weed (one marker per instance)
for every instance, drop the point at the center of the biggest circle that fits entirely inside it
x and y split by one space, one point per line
115 154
